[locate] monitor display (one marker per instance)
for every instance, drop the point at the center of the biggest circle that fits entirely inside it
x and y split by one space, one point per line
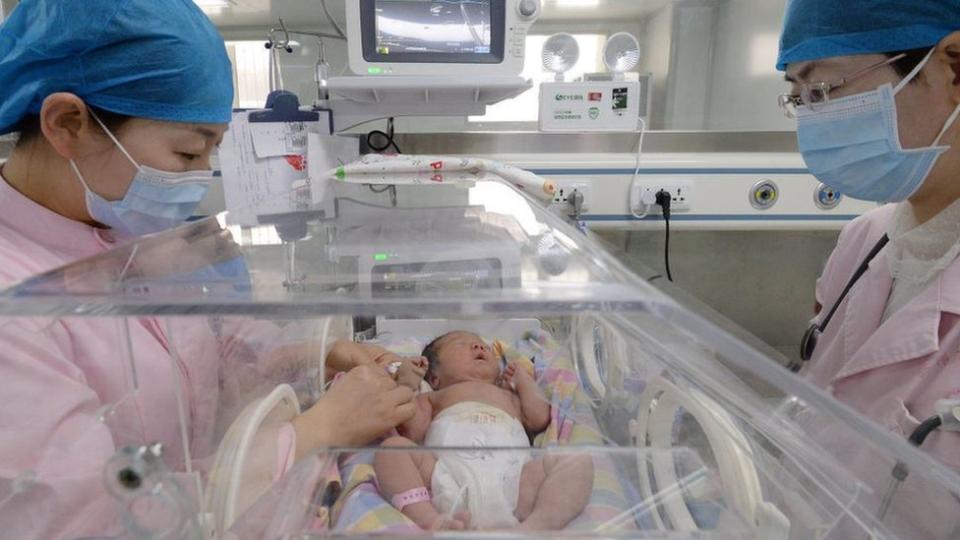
468 31
429 26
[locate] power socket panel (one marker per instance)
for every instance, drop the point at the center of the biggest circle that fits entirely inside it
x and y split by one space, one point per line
645 192
566 188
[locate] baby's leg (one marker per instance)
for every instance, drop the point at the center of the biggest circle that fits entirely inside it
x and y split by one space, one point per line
399 472
553 491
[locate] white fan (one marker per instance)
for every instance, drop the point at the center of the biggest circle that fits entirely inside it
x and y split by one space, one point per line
621 54
560 53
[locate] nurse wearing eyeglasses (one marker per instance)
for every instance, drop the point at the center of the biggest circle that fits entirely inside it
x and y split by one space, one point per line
875 90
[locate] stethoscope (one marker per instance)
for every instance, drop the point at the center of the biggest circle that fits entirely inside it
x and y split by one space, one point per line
812 336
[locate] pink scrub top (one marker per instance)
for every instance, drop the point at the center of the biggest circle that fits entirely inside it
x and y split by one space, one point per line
892 371
65 387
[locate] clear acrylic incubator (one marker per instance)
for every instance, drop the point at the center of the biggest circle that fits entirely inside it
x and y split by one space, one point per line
661 425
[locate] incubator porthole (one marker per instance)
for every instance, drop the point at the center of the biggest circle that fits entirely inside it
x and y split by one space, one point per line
129 479
598 350
591 353
703 493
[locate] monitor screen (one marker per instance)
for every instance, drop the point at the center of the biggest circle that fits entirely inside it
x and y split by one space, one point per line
426 26
469 31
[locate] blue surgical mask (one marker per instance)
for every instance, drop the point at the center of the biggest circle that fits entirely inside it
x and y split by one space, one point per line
155 201
852 145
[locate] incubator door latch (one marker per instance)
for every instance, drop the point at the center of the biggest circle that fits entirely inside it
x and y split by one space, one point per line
154 504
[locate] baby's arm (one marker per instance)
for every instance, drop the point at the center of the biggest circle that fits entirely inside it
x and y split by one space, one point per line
416 428
534 407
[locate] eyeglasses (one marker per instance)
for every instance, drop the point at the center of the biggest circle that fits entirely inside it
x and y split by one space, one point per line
818 93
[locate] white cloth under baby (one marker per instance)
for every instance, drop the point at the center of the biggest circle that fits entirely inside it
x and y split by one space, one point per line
491 479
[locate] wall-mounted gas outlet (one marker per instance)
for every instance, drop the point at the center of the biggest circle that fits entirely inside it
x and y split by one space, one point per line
764 195
643 194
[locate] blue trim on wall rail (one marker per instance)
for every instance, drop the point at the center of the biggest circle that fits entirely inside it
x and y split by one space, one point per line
722 217
664 170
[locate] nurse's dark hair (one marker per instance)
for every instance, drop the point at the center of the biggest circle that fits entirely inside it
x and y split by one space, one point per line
29 126
905 65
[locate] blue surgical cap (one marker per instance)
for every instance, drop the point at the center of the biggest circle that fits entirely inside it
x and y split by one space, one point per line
816 29
156 59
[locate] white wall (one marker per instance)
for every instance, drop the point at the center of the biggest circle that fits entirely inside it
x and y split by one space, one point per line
744 82
657 45
693 34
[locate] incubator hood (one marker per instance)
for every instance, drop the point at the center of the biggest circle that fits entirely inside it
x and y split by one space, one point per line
215 336
310 263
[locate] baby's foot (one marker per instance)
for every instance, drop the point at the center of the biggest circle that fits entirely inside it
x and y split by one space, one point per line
426 516
458 522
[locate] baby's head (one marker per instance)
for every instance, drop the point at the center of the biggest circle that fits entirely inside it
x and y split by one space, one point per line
460 357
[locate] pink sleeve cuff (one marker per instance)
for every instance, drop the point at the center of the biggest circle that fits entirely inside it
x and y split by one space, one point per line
286 450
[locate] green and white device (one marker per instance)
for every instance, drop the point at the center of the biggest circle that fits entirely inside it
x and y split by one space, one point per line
600 102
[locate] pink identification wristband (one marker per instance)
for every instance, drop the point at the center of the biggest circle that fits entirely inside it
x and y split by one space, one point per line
412 496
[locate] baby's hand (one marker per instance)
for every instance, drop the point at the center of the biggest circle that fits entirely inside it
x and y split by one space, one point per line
411 371
514 376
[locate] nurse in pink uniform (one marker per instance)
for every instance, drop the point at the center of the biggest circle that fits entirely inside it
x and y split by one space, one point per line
118 105
876 94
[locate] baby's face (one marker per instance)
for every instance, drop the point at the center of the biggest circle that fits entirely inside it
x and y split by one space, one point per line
463 357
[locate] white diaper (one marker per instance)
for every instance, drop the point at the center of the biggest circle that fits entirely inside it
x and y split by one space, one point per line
491 479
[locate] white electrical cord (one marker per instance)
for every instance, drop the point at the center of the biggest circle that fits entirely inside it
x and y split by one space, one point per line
326 11
643 131
646 205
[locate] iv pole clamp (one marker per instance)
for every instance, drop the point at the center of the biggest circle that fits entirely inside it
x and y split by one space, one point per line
279 39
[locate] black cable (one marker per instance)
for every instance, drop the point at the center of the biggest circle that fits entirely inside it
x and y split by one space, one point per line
386 135
924 430
900 470
916 438
392 188
664 199
666 247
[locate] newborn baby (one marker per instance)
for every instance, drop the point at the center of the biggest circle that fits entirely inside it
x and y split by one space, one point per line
475 405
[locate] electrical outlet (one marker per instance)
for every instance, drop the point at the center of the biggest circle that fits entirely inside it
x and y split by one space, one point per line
566 188
643 194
